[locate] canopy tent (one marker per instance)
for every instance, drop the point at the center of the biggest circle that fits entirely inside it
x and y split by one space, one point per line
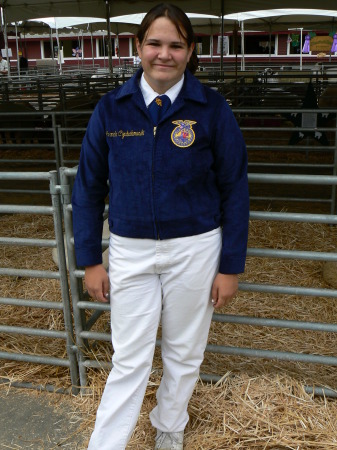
276 19
64 22
282 19
208 24
266 20
205 23
126 23
16 10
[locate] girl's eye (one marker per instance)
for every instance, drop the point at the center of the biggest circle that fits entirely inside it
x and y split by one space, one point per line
153 44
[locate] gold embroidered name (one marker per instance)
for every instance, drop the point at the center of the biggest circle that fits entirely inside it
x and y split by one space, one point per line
123 134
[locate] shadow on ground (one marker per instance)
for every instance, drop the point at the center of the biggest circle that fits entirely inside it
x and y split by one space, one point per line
39 421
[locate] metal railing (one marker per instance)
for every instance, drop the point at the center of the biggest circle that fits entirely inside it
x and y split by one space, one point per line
69 359
81 303
52 139
78 332
61 140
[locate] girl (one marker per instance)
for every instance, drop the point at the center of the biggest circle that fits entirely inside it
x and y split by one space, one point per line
178 216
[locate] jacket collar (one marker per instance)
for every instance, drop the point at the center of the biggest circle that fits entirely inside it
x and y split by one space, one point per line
191 90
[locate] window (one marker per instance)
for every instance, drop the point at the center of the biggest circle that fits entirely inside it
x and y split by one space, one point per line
257 45
47 49
203 45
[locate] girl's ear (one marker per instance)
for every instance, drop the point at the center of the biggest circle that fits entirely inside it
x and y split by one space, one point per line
190 51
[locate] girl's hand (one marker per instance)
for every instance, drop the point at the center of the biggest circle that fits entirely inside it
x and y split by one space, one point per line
97 282
224 289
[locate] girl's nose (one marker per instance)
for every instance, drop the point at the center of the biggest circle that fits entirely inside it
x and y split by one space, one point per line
164 52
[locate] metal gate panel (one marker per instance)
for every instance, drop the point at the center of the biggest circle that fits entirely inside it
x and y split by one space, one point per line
81 301
67 335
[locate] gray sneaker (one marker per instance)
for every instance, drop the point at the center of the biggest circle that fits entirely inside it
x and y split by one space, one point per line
169 441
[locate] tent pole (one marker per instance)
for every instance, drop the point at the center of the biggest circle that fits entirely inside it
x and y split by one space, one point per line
107 5
301 52
103 39
82 48
243 66
51 44
235 44
222 34
117 46
59 48
269 42
211 47
6 39
92 47
17 49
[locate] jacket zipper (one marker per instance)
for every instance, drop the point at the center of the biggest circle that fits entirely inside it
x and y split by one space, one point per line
155 219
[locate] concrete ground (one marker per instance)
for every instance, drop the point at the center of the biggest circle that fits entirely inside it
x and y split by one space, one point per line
39 421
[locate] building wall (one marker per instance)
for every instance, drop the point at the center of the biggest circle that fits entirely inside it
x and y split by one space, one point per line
30 47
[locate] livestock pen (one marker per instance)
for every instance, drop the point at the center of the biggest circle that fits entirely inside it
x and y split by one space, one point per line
268 378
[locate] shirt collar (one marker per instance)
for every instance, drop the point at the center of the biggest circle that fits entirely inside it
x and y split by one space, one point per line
191 90
149 94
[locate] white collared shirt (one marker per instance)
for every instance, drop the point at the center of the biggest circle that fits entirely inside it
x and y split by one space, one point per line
149 94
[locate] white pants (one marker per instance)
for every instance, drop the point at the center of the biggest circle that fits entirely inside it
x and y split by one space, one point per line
151 280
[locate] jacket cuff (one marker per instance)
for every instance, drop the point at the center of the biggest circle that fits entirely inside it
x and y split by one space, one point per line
232 265
87 257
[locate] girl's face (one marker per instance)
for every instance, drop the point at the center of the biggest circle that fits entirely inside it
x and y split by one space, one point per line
164 54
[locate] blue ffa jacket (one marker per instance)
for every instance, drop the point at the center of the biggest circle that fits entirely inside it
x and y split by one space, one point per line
184 177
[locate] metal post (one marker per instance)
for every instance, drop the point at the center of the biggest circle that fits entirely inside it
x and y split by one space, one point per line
243 45
108 24
301 43
17 50
333 188
70 339
56 139
6 39
79 319
92 47
222 33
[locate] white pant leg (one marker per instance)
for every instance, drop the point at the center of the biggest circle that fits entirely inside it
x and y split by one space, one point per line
186 317
135 294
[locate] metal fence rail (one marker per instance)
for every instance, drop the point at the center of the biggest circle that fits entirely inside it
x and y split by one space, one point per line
67 334
60 138
81 303
78 333
54 140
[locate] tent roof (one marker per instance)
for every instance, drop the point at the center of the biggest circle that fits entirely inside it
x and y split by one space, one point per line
28 9
62 22
282 19
254 15
275 19
119 24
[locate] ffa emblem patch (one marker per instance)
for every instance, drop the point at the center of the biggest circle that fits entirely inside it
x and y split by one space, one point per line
159 102
183 135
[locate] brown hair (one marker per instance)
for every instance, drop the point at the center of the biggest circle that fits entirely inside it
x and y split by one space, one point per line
181 22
